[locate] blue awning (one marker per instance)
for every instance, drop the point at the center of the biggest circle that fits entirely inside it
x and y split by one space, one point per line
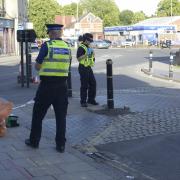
137 28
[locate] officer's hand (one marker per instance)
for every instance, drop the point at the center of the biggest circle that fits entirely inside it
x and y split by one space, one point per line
84 56
37 66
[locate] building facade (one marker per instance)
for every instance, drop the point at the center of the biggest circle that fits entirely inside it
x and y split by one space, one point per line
13 15
87 23
153 29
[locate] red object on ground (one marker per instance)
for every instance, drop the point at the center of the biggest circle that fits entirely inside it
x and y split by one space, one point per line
5 110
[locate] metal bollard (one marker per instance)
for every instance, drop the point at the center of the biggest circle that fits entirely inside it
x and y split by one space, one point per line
22 78
69 82
171 66
110 101
30 66
150 60
27 59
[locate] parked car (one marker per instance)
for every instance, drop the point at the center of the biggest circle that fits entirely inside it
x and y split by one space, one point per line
152 43
116 43
70 42
165 44
108 41
34 46
100 44
127 42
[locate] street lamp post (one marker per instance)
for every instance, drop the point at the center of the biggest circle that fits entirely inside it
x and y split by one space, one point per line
77 11
171 20
171 9
77 23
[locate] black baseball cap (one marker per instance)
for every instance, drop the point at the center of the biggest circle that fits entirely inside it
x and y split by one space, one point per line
88 36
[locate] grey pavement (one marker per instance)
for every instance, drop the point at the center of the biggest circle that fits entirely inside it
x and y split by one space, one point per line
17 161
162 70
154 111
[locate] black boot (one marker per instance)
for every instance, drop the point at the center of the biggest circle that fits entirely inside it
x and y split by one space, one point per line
60 148
31 144
93 102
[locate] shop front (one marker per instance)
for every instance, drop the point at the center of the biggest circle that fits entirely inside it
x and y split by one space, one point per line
139 34
7 36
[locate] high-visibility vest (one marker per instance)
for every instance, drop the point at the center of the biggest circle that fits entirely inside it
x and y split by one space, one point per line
89 60
57 61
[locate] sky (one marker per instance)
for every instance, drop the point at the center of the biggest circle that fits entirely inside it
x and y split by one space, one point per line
147 6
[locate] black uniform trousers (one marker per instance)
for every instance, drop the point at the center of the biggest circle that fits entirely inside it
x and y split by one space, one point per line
55 94
88 84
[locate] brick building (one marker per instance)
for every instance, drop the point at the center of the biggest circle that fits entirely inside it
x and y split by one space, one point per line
87 23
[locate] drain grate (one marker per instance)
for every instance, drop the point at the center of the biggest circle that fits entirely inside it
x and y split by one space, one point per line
111 112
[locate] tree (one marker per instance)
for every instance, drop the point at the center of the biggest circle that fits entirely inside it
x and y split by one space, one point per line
138 16
107 10
126 17
71 9
41 13
164 8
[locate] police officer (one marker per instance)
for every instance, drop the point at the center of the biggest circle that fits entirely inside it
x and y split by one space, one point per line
52 63
80 39
85 56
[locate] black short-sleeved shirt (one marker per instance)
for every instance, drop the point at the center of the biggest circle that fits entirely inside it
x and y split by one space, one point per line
80 51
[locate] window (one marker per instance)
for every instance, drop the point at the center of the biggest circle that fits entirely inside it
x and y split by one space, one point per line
90 18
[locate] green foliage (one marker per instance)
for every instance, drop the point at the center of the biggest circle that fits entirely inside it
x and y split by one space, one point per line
126 17
107 10
164 8
71 9
41 13
138 16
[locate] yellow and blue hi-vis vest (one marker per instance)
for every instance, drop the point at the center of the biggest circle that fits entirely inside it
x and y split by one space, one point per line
89 61
57 61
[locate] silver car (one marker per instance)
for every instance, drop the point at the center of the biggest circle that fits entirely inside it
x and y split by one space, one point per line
100 44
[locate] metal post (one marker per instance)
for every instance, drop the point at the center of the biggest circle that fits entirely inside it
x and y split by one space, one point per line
27 58
30 67
69 80
110 101
171 66
22 66
150 60
69 83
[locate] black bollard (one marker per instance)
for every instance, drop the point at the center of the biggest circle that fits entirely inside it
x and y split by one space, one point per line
69 82
27 58
171 66
110 101
30 67
22 66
